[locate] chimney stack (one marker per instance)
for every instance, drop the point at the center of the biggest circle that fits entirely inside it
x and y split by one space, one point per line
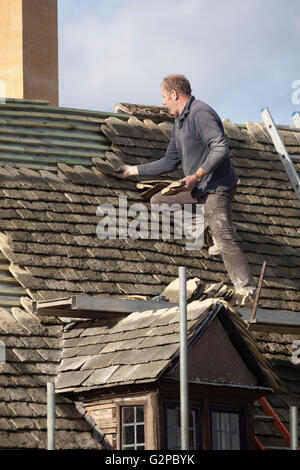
29 50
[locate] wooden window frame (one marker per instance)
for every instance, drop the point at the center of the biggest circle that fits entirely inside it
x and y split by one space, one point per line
130 403
240 410
195 406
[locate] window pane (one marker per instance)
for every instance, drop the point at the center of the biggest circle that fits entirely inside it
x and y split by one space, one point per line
192 430
133 435
140 439
139 414
234 422
128 435
225 431
191 439
174 429
128 414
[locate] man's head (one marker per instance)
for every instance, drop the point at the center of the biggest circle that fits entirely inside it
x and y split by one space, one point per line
175 92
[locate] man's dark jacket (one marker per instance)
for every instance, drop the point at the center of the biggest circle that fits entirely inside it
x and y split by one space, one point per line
197 141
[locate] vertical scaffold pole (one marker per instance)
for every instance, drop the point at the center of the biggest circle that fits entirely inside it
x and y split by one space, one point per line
184 402
51 415
294 427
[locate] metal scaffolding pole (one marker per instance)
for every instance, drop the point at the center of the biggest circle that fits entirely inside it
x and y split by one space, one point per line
294 427
184 402
51 415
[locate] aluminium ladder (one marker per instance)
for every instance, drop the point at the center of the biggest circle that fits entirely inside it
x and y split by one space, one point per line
296 118
281 149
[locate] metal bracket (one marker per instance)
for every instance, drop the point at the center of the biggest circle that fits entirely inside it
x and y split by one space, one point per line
281 150
255 305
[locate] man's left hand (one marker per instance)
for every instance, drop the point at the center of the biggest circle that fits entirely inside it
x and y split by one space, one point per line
190 181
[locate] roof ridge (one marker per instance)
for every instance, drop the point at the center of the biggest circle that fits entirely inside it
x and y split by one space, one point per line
286 127
40 105
26 100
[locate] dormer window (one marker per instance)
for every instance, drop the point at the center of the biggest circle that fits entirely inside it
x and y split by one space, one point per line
227 427
133 427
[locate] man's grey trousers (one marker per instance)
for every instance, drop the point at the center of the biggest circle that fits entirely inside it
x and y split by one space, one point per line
218 216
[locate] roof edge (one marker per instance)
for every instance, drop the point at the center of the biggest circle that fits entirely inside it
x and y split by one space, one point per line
213 311
265 376
95 431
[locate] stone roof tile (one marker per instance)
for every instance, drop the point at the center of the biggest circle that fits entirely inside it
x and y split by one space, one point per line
138 372
258 132
140 110
65 379
101 376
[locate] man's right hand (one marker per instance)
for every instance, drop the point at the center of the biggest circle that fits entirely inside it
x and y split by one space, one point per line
125 171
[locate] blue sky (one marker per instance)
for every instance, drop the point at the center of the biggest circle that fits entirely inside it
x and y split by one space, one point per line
239 56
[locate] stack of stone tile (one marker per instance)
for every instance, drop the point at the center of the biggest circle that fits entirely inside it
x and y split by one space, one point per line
155 113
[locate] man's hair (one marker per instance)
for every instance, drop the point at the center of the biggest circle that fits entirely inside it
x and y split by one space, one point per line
178 83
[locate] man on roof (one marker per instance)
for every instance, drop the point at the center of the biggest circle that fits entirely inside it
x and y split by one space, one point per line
198 143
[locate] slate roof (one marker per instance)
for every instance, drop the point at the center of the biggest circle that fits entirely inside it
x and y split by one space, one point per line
55 167
138 347
49 215
33 350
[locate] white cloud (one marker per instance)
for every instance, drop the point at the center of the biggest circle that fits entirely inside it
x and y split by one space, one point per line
237 55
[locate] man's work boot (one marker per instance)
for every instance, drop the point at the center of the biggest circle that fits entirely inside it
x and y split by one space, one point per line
244 297
214 250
